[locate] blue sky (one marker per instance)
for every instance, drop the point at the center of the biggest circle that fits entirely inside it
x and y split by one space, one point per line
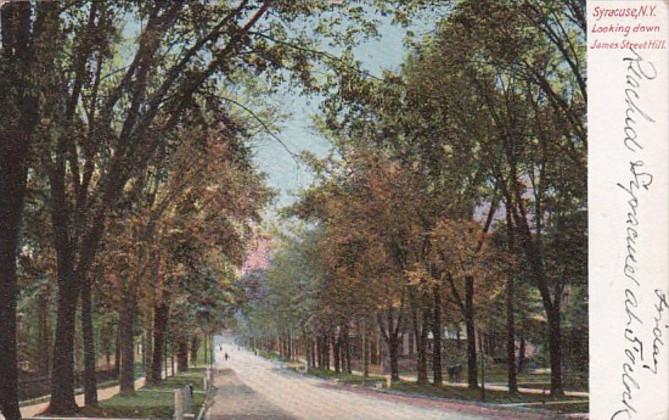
297 132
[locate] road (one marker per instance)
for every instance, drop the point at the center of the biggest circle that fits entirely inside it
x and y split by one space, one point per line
253 387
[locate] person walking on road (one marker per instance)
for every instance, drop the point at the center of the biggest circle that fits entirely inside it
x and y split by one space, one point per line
226 357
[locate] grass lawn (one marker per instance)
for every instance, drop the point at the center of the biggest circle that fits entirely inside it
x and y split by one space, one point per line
563 405
536 380
547 386
575 407
144 404
270 355
193 376
458 393
345 378
155 402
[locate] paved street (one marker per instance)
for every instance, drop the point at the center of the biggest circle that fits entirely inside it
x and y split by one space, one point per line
252 387
235 400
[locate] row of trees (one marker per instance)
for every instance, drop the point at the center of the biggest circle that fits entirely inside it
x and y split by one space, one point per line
456 192
126 182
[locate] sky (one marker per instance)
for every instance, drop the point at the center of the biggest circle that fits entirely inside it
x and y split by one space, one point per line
285 175
297 132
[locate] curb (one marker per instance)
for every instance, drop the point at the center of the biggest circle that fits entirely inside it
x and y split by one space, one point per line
210 392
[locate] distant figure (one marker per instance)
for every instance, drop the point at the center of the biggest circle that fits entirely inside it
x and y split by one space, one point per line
226 356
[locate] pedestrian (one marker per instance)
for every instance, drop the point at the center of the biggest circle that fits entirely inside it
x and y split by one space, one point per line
226 356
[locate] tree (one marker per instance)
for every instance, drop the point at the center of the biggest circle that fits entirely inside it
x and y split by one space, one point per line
91 158
26 53
494 101
541 143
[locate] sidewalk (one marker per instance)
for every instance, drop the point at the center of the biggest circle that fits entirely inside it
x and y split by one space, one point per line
103 394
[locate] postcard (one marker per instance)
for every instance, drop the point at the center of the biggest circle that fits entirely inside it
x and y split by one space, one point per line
334 209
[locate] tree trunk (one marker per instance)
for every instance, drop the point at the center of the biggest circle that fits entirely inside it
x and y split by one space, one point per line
148 349
422 348
62 376
142 348
326 352
44 332
194 348
165 356
390 331
117 351
9 220
335 353
420 318
393 346
347 349
521 354
159 325
15 145
533 252
127 375
312 351
182 355
365 355
436 333
69 282
90 382
362 329
511 337
471 337
554 343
